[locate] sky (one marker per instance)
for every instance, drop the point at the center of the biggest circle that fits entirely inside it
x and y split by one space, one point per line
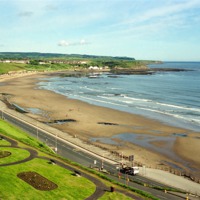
166 30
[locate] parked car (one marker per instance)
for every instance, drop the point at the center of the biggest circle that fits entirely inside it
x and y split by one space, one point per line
130 170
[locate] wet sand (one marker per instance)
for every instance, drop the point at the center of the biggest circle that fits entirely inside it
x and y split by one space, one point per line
93 121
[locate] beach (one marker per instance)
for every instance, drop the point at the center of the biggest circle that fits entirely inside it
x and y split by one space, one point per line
86 121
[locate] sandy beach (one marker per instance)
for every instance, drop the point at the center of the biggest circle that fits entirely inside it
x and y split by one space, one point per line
89 121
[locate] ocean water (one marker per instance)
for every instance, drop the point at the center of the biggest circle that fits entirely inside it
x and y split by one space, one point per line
171 97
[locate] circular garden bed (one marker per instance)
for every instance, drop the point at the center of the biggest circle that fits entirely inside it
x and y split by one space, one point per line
4 154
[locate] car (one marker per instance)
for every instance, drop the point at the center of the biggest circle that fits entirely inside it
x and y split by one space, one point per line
130 170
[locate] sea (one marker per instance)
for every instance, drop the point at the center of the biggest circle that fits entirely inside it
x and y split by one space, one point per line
170 97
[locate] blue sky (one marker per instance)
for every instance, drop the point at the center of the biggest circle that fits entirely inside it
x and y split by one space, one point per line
144 29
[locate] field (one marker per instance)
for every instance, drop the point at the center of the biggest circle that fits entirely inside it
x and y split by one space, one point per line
68 185
6 67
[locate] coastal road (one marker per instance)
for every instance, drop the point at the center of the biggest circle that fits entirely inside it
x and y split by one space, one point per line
76 155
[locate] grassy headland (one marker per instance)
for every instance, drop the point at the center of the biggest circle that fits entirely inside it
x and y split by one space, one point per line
53 62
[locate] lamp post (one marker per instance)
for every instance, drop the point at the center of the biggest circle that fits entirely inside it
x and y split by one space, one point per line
125 177
102 163
122 160
118 171
2 113
144 170
56 146
37 129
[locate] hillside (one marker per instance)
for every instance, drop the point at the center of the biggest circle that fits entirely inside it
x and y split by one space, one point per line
37 55
34 61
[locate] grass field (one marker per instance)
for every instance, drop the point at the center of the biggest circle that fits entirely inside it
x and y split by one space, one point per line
4 142
114 196
10 130
6 67
69 186
16 155
11 187
20 135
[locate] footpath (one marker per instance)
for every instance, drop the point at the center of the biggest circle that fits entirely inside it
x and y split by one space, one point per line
172 180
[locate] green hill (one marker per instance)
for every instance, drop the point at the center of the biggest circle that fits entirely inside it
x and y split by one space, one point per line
37 55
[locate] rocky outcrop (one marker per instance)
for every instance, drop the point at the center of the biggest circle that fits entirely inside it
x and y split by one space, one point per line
144 71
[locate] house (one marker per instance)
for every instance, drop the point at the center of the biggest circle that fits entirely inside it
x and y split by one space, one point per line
6 61
93 68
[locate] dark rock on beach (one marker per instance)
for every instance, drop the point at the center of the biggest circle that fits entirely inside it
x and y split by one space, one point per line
146 71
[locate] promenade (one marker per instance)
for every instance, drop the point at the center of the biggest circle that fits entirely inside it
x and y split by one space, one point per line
171 180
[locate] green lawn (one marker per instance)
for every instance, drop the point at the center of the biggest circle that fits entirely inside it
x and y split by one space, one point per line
6 67
16 155
115 196
69 186
4 142
16 133
11 130
12 187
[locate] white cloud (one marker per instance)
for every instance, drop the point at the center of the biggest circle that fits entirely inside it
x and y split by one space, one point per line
83 42
155 21
160 12
64 43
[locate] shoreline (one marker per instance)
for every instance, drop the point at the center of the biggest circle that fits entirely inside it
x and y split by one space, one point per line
87 117
169 118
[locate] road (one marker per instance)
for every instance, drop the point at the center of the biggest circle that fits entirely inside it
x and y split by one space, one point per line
74 154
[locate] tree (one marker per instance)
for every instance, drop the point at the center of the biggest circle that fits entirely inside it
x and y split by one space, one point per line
34 62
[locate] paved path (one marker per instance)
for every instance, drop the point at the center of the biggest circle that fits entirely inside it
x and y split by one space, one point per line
172 180
32 152
100 187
